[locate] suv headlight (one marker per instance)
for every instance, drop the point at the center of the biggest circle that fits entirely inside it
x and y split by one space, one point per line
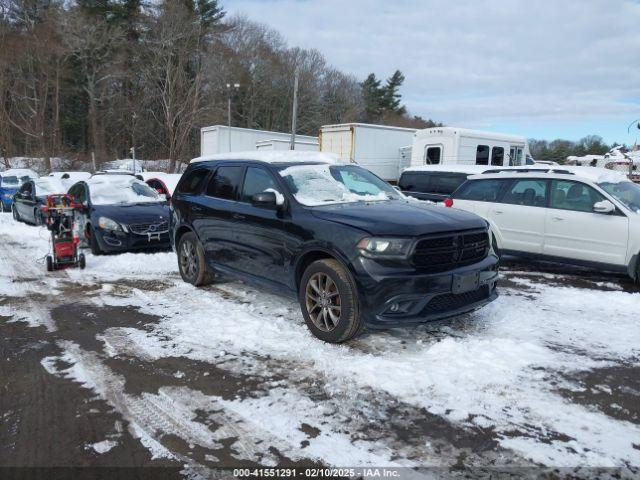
381 247
108 224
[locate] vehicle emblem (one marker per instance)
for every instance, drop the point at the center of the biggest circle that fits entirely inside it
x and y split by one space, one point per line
152 228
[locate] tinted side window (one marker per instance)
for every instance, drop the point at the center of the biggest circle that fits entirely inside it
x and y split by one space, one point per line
531 193
480 190
225 183
497 156
192 183
446 184
575 196
414 182
26 189
257 180
482 155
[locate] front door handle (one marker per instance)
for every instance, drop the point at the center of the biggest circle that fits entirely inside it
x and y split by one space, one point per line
498 212
237 216
558 219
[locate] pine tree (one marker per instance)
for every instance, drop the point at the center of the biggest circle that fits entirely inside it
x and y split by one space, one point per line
373 96
391 96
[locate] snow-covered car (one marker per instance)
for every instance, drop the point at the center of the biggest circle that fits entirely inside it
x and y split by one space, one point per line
32 195
163 183
121 213
10 181
579 215
68 178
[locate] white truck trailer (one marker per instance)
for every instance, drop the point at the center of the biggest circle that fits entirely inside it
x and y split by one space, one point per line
222 139
451 145
375 147
281 144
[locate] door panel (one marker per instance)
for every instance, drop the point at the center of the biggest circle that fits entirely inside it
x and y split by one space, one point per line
573 230
520 215
258 236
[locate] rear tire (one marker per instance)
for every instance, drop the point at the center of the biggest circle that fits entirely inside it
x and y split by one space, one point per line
49 263
16 215
2 207
82 261
191 261
329 302
37 217
93 242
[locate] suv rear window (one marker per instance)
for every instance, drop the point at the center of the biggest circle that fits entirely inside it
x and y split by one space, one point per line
225 183
480 190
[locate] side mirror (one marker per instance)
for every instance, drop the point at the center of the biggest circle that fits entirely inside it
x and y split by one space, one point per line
605 206
265 200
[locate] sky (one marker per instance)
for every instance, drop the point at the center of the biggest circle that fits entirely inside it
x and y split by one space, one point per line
538 68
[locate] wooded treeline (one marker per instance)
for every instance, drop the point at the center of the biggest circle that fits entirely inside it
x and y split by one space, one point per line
558 150
97 77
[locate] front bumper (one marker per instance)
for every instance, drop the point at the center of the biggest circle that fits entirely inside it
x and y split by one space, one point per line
420 298
117 241
7 202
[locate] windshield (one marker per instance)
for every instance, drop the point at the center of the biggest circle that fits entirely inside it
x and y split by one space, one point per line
14 181
627 193
318 184
49 186
130 190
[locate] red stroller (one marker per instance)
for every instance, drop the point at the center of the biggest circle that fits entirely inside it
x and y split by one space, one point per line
59 216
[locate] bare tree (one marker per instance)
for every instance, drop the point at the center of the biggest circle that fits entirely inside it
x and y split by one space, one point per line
93 48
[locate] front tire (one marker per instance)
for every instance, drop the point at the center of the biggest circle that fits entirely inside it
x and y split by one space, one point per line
82 261
49 263
329 302
191 261
37 218
93 242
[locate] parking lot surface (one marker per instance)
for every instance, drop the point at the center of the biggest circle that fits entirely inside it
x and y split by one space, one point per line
123 364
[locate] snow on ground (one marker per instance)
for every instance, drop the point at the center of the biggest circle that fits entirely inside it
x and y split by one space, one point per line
501 368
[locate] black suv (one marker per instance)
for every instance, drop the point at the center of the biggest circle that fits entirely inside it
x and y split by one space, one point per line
353 250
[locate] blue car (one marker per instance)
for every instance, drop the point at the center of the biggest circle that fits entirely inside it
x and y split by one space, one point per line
10 181
120 214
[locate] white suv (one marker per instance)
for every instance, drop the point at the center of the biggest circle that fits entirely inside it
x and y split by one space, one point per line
581 215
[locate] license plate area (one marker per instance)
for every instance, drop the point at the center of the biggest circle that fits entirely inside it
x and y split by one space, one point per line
467 282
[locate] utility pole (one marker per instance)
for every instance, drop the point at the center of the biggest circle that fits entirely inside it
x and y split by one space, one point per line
294 118
236 86
133 156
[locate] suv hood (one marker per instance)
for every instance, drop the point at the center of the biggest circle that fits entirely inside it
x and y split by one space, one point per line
134 213
399 218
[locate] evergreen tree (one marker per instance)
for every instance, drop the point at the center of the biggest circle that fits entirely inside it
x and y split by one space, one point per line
373 96
391 98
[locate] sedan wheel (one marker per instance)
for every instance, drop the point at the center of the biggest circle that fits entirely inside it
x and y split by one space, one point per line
16 216
323 302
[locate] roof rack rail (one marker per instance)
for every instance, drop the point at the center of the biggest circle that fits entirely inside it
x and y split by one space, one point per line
529 170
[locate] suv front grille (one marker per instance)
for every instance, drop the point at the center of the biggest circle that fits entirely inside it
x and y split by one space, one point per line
443 252
149 228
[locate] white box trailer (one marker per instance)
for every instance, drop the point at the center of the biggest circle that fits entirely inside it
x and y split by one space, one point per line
375 147
280 144
451 145
222 139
